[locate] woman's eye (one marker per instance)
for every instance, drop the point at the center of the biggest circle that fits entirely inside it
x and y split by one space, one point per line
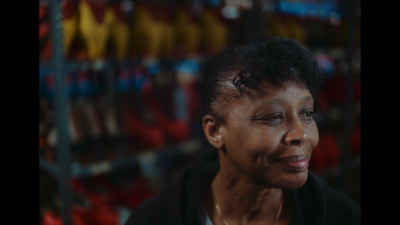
270 119
277 116
307 115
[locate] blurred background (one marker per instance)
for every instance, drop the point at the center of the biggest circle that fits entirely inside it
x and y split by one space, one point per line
119 101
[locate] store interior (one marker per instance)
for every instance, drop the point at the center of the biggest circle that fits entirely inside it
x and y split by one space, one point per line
119 102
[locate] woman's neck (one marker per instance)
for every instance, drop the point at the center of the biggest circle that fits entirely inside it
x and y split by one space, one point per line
241 201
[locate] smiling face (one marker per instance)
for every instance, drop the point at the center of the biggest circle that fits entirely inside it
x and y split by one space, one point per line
268 138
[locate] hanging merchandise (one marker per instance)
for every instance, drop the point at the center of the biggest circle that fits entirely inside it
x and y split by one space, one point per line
276 26
296 29
321 9
45 49
214 32
214 3
326 63
141 127
332 148
120 30
124 75
326 155
49 217
94 24
46 122
72 85
43 9
80 209
168 31
93 122
148 106
112 128
320 33
85 88
44 23
287 26
146 32
69 23
318 160
75 131
175 129
100 209
152 96
135 193
152 66
47 87
185 94
116 194
43 87
335 89
74 92
188 32
97 82
141 81
103 214
149 170
322 102
91 88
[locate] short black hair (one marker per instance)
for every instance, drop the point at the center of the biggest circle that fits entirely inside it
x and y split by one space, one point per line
275 60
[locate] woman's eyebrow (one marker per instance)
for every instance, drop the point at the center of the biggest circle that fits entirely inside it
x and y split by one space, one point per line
278 101
308 98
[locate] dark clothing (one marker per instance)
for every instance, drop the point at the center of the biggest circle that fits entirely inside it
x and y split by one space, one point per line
180 203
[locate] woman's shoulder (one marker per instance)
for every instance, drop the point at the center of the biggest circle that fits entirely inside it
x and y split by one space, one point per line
331 195
144 213
339 207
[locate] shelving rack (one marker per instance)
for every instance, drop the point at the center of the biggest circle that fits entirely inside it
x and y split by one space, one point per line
65 169
62 170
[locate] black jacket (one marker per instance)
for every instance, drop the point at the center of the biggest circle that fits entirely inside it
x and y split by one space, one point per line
180 202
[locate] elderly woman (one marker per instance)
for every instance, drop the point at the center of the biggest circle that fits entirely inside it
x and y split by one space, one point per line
258 105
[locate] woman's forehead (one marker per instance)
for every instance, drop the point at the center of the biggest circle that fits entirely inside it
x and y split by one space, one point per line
264 89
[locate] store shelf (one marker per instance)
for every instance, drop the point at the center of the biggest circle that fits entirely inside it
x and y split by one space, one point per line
48 166
103 167
74 65
107 166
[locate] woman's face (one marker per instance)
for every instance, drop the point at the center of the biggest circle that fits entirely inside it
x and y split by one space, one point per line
269 137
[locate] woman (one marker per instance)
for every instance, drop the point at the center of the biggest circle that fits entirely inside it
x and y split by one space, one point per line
258 105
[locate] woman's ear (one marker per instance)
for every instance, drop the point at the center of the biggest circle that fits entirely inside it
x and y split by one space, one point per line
213 131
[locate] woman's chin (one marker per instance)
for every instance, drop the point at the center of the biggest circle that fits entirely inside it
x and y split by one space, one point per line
294 181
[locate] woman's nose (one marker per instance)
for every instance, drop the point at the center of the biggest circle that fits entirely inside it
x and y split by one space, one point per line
296 134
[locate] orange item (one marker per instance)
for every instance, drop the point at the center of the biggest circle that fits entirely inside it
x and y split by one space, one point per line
318 161
95 19
69 22
214 32
120 31
188 32
332 147
146 33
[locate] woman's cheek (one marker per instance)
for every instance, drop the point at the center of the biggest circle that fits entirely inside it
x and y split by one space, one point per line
314 138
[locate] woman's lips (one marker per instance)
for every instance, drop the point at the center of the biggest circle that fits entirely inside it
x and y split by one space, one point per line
297 163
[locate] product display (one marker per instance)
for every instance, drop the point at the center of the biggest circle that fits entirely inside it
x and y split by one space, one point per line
69 12
131 73
44 31
95 20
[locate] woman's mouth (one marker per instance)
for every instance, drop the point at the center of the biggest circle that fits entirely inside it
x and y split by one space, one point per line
296 163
